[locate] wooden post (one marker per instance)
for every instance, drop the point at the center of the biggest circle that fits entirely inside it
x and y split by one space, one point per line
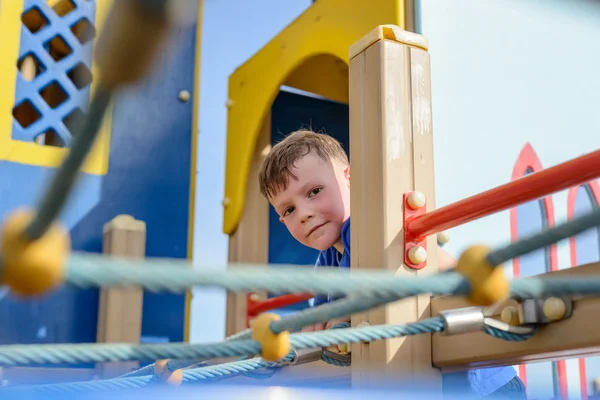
391 153
250 242
120 309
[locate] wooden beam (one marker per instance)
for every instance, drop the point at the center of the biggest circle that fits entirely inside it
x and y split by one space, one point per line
576 336
391 153
120 309
250 242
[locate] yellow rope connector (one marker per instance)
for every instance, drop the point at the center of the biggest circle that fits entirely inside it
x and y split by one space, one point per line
171 378
273 346
489 284
32 267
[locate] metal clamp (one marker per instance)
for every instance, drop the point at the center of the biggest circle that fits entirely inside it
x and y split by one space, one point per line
474 319
304 356
463 320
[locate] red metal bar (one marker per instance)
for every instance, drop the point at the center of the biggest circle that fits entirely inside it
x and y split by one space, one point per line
512 194
255 308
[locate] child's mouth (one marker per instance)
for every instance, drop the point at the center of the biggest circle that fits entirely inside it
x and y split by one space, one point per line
314 229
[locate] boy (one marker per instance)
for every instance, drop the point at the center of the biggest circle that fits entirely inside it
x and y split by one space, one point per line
306 178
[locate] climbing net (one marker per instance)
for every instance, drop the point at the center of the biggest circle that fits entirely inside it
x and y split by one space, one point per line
35 258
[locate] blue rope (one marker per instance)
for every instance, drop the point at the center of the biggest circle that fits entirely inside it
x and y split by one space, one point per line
156 276
340 333
508 336
196 375
545 238
15 355
338 309
335 361
173 365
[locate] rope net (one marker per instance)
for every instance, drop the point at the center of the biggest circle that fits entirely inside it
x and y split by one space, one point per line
33 256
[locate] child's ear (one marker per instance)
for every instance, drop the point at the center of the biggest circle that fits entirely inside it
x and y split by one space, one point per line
347 173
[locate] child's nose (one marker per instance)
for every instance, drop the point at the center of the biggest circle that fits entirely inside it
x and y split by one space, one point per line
306 214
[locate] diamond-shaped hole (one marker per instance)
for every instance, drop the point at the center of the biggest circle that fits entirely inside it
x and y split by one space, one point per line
49 138
80 75
54 94
58 48
83 30
74 120
62 7
34 19
30 66
26 114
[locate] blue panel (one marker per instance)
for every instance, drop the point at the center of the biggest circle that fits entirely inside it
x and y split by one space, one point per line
148 177
531 218
67 315
291 112
149 174
53 71
588 242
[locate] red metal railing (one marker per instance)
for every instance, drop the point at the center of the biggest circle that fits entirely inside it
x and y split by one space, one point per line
257 307
522 190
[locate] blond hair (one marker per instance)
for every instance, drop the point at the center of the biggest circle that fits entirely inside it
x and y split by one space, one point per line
276 169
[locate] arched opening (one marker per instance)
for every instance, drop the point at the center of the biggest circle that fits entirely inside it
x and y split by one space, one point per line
585 249
526 219
293 110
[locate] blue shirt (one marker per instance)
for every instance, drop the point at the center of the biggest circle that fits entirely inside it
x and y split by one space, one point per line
481 381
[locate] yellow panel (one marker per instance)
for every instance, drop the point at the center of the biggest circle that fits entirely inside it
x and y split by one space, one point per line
314 43
32 153
194 149
324 74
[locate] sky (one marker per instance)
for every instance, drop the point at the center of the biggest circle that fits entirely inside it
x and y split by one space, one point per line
233 31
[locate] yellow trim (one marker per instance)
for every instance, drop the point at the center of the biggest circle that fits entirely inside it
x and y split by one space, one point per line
326 30
195 122
32 153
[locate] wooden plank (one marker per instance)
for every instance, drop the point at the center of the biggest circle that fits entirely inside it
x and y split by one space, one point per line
383 169
120 309
250 241
424 182
573 337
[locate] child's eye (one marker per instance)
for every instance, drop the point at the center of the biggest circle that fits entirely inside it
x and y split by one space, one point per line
288 211
314 192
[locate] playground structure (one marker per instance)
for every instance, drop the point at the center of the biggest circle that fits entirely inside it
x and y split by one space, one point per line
373 72
115 180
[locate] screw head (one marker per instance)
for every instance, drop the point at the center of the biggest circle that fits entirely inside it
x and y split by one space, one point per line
417 255
416 200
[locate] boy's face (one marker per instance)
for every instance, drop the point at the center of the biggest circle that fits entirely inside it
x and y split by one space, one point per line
315 205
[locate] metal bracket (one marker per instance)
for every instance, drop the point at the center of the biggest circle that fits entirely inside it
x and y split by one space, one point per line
545 310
